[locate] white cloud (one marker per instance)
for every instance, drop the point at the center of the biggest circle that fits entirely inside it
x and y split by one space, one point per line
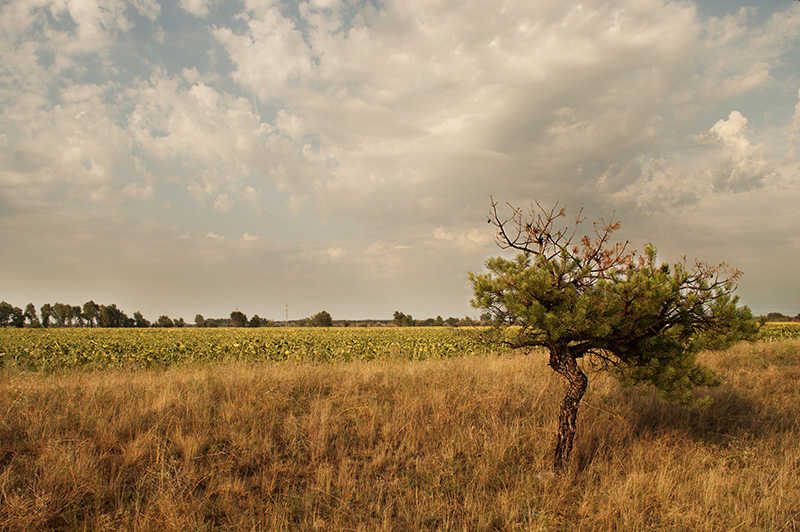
76 147
212 137
148 8
335 254
741 165
198 8
656 185
270 57
97 22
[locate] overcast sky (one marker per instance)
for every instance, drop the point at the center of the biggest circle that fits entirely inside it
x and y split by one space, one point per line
199 156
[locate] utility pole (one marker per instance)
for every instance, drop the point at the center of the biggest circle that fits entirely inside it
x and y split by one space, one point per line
286 324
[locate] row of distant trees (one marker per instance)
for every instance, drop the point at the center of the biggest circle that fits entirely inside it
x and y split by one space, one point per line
777 316
91 314
406 320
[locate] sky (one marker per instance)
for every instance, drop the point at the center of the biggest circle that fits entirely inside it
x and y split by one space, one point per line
201 156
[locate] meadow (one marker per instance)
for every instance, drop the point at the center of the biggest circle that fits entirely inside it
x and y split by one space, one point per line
361 432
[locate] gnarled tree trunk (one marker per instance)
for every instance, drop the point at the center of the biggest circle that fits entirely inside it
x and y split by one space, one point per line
565 364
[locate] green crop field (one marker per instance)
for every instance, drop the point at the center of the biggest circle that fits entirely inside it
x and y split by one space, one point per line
94 348
779 331
61 349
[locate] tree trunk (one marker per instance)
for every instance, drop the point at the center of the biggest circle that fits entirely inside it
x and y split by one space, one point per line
565 364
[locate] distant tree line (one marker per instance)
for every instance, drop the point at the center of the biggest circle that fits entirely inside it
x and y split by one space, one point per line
91 314
777 316
406 320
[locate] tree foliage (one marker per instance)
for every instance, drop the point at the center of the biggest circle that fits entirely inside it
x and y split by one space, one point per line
238 319
402 320
589 297
321 319
6 311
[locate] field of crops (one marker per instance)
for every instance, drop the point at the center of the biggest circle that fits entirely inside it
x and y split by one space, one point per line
57 349
775 331
68 348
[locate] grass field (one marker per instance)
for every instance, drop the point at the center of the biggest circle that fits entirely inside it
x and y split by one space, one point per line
460 443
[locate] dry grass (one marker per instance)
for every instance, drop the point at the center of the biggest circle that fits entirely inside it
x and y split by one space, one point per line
460 444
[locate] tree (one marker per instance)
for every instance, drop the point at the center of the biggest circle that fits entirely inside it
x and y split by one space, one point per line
321 319
238 319
77 314
17 318
590 298
403 320
6 310
199 320
91 311
139 320
164 321
46 311
255 321
30 315
62 312
111 316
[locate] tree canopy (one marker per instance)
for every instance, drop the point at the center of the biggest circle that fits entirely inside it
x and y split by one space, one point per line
321 319
585 296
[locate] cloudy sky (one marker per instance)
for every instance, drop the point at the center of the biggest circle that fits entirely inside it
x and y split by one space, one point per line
198 156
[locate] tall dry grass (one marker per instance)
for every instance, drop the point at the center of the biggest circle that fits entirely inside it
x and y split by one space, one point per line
459 444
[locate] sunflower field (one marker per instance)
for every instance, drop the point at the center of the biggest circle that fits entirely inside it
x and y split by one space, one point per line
67 348
779 330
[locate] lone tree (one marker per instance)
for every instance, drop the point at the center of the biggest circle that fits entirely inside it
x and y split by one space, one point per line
586 297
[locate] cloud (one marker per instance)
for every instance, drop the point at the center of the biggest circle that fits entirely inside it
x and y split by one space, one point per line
794 132
729 162
138 190
223 203
335 254
324 256
656 186
364 139
148 8
71 148
414 97
469 241
198 8
741 165
270 56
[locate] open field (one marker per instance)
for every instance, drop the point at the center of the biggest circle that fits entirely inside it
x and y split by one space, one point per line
59 349
88 348
459 443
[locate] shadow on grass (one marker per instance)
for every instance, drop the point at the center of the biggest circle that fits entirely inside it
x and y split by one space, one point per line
730 416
